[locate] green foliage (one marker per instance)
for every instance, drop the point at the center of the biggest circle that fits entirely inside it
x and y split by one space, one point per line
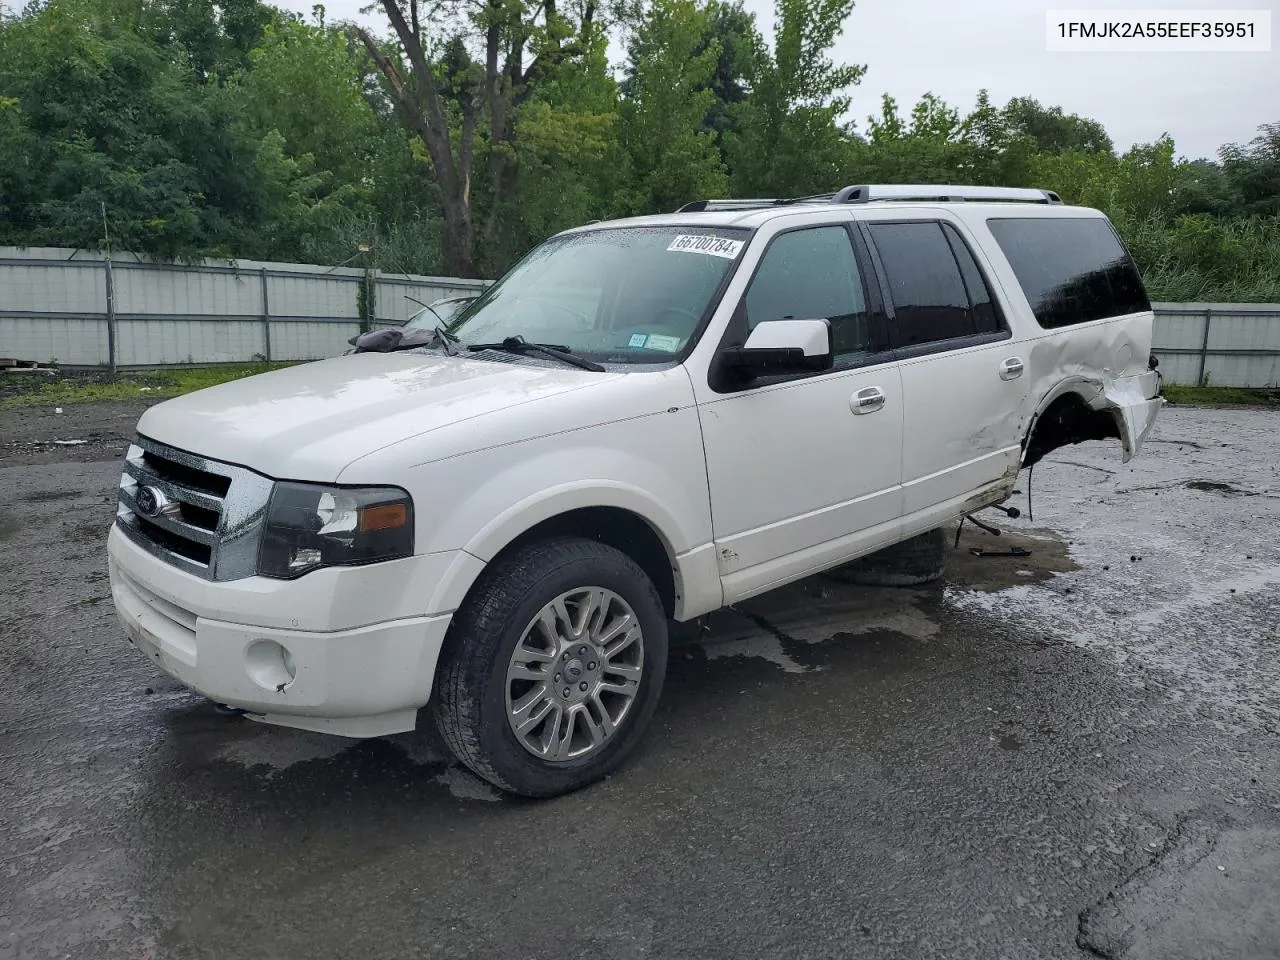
1052 130
195 127
1254 171
96 387
1220 396
789 140
671 157
230 128
1197 257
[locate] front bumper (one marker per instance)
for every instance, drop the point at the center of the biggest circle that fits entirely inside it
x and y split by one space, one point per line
306 659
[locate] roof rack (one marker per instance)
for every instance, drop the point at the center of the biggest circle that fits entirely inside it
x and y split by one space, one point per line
867 193
700 206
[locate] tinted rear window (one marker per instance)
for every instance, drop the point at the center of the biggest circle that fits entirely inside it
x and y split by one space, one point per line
929 298
1072 270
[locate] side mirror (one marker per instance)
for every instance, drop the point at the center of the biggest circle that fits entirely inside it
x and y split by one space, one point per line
777 347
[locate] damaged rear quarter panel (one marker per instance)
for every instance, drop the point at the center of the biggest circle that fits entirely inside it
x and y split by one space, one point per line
1105 363
1094 360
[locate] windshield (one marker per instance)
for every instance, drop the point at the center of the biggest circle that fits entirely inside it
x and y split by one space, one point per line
624 295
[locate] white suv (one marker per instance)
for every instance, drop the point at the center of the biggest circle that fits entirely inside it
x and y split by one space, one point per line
644 420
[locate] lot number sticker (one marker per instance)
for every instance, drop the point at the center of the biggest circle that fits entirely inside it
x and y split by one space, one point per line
713 246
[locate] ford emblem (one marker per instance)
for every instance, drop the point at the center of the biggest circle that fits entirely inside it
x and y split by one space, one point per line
151 502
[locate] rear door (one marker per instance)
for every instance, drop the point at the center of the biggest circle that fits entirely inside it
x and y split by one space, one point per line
963 383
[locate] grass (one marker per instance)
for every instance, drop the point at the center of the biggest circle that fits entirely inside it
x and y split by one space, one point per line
1201 258
37 389
1220 396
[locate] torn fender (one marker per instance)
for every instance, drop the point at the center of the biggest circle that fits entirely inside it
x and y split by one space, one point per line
1135 403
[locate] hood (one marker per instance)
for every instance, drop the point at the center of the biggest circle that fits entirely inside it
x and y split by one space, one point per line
309 421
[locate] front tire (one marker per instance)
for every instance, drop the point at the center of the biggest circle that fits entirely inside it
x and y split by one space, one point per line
553 667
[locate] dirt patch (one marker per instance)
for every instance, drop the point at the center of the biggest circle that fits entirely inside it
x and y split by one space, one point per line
1047 556
28 434
1215 486
47 496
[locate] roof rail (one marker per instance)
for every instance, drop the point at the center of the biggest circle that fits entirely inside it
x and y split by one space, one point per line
699 206
866 193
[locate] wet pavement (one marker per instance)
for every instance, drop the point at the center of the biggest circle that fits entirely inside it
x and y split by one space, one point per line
1071 754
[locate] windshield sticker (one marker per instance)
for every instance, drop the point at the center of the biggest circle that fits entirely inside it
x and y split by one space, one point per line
714 246
662 342
637 340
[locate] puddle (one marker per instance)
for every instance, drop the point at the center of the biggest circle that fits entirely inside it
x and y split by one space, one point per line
463 785
1047 557
279 748
763 645
1010 742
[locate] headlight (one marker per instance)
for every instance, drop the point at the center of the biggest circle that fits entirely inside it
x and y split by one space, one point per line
311 526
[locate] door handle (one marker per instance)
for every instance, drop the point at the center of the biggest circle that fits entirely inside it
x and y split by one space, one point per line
1011 369
867 400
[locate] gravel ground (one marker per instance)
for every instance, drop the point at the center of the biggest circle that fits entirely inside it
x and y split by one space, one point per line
1070 754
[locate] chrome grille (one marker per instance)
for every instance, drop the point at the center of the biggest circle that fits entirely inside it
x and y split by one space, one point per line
203 516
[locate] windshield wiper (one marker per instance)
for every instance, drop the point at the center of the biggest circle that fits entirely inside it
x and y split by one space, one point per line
519 344
428 306
447 339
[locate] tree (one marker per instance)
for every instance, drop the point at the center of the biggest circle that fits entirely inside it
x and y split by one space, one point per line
672 158
571 162
1254 170
731 29
1055 131
99 113
103 112
447 120
789 140
303 81
215 35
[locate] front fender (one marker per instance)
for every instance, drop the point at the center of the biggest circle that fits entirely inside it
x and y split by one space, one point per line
524 515
651 466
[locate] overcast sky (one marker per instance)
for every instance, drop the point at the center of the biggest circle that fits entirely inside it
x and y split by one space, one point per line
954 48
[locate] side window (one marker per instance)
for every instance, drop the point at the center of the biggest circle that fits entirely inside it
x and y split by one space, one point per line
929 297
1072 269
981 302
808 274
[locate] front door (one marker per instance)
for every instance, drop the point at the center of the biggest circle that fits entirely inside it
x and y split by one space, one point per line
805 470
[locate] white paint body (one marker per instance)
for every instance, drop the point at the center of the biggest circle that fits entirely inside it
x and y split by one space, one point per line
747 491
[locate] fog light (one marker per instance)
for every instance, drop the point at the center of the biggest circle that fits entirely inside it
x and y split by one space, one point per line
269 665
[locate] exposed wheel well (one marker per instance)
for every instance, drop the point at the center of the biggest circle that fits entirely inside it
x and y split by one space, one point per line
1065 421
620 529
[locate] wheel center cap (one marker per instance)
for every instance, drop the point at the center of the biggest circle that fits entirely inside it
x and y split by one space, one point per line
573 670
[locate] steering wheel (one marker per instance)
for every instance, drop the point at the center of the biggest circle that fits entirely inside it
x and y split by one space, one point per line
582 320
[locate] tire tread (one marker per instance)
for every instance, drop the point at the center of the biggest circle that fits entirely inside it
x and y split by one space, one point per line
478 631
